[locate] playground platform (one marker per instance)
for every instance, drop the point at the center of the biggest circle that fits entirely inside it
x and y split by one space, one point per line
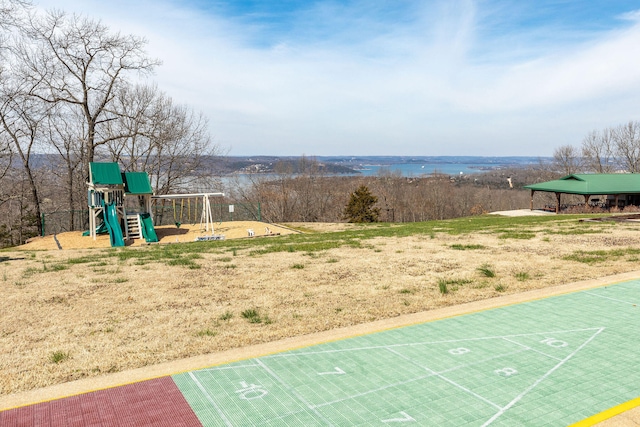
566 355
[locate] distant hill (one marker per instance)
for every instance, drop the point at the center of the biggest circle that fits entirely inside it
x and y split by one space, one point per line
353 164
348 165
271 164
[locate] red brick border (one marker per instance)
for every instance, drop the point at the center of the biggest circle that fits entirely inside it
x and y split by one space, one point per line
157 403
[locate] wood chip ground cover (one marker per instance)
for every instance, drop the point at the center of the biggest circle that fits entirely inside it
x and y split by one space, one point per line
108 310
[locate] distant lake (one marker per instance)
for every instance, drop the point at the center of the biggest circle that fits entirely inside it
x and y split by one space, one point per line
448 165
414 169
405 169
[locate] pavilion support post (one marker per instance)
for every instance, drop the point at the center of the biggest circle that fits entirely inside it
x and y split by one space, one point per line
586 199
558 202
531 202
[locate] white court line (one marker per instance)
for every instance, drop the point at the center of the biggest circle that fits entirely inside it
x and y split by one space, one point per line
218 409
612 299
390 348
283 416
420 378
461 387
210 399
406 418
385 347
533 349
364 393
293 391
535 384
455 368
222 368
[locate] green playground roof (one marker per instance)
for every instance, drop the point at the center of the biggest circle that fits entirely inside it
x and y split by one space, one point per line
591 184
105 174
137 183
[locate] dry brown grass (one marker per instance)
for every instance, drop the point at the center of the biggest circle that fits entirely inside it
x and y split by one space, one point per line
110 315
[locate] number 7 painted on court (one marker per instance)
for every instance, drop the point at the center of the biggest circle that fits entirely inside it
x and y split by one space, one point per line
406 419
337 371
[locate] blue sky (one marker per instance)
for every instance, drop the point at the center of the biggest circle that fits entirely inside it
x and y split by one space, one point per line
391 77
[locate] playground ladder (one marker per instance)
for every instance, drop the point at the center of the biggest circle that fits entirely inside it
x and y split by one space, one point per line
133 224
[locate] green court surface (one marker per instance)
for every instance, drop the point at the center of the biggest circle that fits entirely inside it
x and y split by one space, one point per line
553 361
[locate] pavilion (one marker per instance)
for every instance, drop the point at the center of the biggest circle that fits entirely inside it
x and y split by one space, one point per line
618 189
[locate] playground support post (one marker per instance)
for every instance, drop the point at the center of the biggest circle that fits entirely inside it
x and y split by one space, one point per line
206 216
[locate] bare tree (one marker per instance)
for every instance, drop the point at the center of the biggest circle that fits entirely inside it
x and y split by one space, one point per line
181 149
13 13
23 120
439 191
598 151
6 157
277 195
65 133
390 199
147 110
567 159
626 139
170 142
313 197
78 63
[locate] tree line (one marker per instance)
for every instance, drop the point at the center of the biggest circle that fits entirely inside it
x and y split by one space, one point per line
73 91
609 150
311 195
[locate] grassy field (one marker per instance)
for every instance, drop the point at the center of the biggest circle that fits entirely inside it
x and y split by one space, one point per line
72 314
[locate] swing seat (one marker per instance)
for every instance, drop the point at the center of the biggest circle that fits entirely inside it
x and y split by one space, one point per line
175 216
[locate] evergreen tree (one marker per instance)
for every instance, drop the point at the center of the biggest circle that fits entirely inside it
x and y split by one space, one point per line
360 207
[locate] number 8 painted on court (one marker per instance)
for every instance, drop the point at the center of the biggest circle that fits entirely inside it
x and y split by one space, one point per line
458 351
506 372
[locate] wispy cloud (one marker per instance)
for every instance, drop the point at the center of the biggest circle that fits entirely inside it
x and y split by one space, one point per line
402 76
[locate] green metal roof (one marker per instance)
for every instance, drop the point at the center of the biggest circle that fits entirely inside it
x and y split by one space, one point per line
592 184
137 183
105 174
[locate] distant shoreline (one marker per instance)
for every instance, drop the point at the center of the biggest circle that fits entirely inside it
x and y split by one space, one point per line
371 165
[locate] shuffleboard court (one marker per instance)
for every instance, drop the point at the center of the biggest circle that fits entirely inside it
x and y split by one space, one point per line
552 362
548 362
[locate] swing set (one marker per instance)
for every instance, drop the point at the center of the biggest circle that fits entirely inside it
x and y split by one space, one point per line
206 216
179 219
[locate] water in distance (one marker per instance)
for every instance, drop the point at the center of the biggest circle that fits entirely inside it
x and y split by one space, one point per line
412 169
427 165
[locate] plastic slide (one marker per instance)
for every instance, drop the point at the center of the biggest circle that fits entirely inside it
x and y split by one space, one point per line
113 225
148 231
101 229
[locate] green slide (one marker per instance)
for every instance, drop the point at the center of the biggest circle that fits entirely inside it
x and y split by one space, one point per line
101 229
111 220
148 232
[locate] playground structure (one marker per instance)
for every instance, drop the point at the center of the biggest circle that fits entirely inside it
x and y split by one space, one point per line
114 210
108 210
